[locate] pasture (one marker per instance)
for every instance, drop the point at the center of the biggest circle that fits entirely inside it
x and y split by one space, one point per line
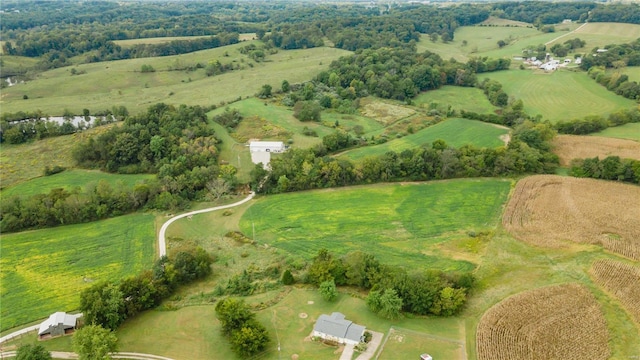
525 325
455 132
569 147
459 98
560 95
44 270
621 280
633 72
552 211
627 131
71 179
403 224
601 34
106 84
411 344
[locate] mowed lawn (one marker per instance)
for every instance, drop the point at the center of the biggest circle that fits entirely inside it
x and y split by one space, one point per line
70 179
121 83
560 95
399 223
455 132
626 131
459 98
43 271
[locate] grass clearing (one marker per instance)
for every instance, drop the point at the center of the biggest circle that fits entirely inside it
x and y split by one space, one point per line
601 34
459 98
417 218
19 163
556 322
569 147
633 72
550 211
120 83
44 270
560 95
455 132
411 344
383 112
156 40
75 178
627 131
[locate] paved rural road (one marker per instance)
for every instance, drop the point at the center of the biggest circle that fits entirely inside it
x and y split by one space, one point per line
162 244
117 355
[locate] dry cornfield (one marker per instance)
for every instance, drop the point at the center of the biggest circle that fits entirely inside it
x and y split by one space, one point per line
569 147
547 210
621 280
561 322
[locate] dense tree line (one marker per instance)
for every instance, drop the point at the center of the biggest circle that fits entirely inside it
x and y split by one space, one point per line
527 152
110 303
543 12
248 337
616 81
610 168
595 123
615 56
423 292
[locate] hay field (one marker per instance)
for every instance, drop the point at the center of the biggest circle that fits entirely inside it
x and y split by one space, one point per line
562 322
561 95
120 82
156 40
622 281
601 34
547 210
569 147
627 131
459 98
496 21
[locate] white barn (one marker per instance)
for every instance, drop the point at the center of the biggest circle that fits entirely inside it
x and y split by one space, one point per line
57 324
261 151
336 328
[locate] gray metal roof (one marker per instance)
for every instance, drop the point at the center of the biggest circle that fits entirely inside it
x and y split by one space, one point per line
67 321
336 325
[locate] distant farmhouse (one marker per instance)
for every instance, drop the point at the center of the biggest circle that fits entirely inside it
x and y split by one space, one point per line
261 151
58 324
336 328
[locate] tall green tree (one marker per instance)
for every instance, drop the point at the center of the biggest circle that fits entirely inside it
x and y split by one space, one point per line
250 339
32 352
93 342
103 304
328 290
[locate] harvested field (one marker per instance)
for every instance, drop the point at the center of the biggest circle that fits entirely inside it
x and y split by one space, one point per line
569 147
622 280
547 210
561 322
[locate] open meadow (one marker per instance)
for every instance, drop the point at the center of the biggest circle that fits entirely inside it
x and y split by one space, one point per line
399 223
102 85
627 131
459 98
455 132
569 147
601 34
560 95
70 179
44 270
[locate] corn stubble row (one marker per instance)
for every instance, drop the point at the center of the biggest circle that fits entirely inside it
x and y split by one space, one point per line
562 322
622 281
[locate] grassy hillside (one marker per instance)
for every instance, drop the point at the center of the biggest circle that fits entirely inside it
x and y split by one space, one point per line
71 179
460 98
627 131
560 95
455 132
44 270
601 34
633 72
120 82
400 224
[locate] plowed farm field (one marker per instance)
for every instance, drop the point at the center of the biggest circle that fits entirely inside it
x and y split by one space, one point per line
621 280
548 210
562 322
569 147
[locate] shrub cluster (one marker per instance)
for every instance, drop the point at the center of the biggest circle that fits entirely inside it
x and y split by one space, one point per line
595 123
610 168
247 336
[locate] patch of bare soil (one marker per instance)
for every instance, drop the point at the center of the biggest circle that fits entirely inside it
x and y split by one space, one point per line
548 210
562 322
569 147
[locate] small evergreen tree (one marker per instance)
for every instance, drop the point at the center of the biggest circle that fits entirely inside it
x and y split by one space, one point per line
287 278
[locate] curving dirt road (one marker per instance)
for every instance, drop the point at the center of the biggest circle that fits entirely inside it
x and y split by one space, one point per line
116 355
162 244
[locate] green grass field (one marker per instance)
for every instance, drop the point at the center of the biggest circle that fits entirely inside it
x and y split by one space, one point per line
560 95
43 271
71 179
459 98
120 83
633 72
455 132
626 131
601 34
417 217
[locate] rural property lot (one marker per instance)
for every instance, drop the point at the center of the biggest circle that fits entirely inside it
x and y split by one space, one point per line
562 322
569 147
547 210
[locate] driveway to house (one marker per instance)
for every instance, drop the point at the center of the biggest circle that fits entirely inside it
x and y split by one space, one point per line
162 244
376 339
347 352
117 355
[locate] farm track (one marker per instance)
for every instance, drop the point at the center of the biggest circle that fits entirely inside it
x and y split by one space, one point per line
548 210
562 322
71 355
622 281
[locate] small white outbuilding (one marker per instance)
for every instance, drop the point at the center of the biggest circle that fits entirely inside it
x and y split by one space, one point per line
261 151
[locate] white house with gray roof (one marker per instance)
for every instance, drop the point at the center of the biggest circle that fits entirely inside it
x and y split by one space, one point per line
336 328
